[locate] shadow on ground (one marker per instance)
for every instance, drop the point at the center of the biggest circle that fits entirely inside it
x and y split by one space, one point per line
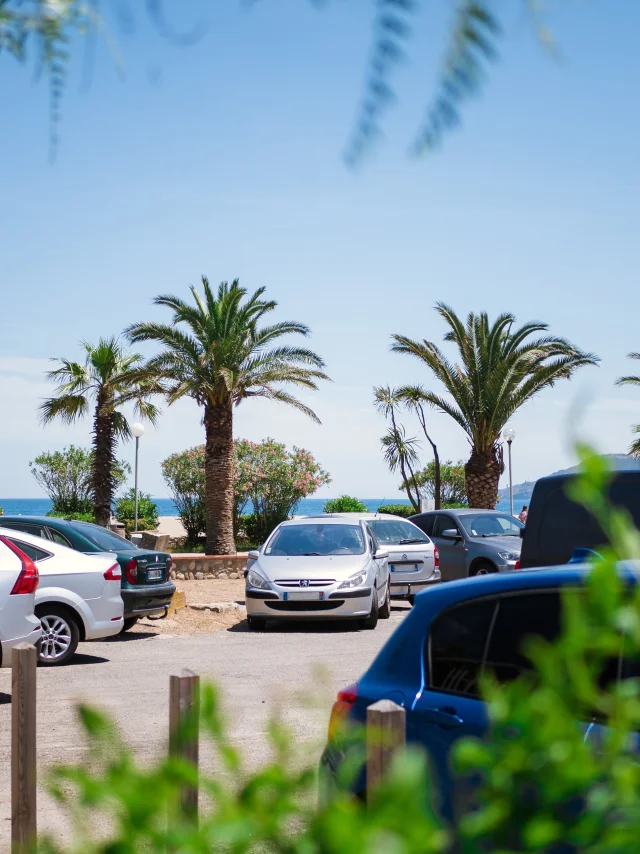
123 637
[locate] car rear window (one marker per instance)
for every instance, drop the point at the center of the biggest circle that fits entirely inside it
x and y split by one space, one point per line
104 539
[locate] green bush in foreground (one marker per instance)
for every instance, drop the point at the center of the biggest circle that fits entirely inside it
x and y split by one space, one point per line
543 790
147 511
404 510
345 504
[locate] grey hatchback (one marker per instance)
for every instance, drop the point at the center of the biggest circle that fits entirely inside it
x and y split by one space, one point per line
472 542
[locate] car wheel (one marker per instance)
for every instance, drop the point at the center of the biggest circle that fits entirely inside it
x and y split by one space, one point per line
371 621
256 624
60 634
129 623
385 612
483 568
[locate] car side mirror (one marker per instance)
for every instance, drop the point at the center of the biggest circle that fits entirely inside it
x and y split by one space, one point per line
253 555
380 554
451 534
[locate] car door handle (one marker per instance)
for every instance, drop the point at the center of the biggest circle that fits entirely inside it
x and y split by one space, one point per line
444 717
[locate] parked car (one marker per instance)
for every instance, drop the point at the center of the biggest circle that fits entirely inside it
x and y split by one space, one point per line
146 574
432 663
472 542
312 568
557 527
413 559
18 583
78 597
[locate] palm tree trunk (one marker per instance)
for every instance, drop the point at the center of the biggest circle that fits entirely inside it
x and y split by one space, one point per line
103 481
218 464
482 474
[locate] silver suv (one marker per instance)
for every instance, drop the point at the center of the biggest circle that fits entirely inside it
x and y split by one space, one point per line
472 542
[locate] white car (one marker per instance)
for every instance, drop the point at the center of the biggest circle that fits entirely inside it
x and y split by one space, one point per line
414 563
318 567
18 584
78 597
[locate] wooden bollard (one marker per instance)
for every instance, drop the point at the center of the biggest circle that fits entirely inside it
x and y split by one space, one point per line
23 747
386 733
184 698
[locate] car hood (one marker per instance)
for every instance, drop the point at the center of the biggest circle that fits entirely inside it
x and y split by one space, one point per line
287 568
500 544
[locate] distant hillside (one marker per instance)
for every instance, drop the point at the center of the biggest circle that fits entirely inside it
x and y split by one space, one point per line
522 491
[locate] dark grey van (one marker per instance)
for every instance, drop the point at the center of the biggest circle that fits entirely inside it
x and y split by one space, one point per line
557 526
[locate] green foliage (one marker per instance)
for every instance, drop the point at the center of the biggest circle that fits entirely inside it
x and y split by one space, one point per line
76 517
66 478
404 510
184 474
453 491
345 504
147 512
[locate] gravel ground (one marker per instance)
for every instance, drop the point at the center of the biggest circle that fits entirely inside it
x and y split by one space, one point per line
188 622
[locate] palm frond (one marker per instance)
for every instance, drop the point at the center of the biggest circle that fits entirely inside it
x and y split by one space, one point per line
68 408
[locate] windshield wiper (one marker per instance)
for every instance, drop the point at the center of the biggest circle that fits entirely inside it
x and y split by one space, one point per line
310 554
411 540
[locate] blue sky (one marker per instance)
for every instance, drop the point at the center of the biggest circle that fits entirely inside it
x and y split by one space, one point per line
225 159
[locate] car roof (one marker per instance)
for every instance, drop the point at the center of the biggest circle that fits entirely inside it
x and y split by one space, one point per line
351 515
39 520
325 518
462 511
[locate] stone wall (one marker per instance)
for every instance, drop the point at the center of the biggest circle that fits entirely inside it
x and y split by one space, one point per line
194 566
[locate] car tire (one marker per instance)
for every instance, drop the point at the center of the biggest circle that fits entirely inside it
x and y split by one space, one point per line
256 624
385 612
129 623
60 634
371 621
483 567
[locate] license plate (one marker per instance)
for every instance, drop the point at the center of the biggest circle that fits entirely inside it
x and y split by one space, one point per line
304 595
404 567
154 574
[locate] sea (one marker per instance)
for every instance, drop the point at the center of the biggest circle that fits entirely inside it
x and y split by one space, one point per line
166 507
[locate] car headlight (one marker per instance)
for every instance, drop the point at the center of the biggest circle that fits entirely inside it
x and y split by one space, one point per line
511 556
255 580
356 580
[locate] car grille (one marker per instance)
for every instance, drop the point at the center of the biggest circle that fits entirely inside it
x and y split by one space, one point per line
295 582
305 606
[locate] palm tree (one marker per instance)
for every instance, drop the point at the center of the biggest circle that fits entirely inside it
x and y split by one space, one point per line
215 352
634 450
400 452
500 368
108 379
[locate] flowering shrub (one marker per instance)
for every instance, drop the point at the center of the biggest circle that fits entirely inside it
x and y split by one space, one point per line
265 475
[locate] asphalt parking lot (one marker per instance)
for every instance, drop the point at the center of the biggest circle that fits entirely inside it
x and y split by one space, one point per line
296 668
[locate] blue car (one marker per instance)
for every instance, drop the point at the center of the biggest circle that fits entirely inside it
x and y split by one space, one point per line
432 664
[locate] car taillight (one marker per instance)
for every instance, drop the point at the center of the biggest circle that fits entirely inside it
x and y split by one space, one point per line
436 557
114 573
517 565
27 581
341 708
132 571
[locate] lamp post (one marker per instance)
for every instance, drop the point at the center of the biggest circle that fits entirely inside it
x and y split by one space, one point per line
137 430
509 434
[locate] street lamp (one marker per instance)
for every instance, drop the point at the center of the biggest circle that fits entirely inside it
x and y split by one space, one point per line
509 434
137 430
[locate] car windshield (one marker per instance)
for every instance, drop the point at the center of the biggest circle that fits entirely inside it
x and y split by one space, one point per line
105 540
491 525
396 532
316 539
